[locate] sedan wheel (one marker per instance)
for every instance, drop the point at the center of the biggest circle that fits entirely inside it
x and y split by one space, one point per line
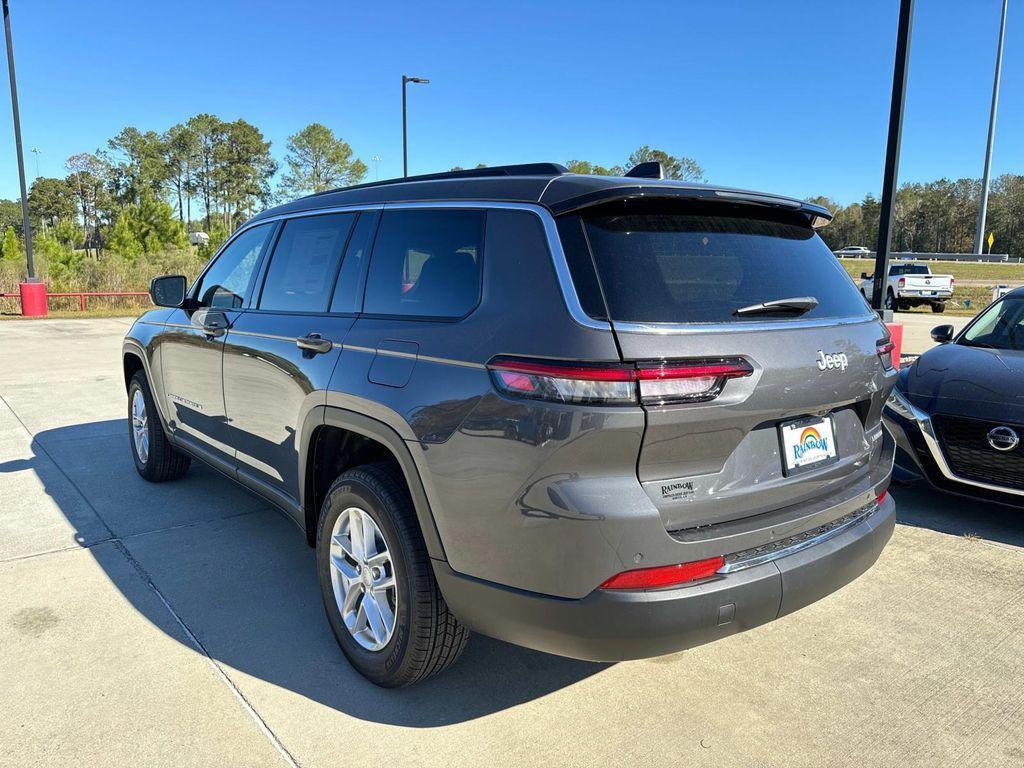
363 576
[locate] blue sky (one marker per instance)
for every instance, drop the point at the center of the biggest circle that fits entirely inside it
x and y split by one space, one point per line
789 97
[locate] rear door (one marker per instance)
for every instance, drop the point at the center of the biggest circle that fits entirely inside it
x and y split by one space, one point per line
792 411
280 353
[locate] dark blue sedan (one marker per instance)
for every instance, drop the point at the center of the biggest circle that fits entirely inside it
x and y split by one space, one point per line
957 413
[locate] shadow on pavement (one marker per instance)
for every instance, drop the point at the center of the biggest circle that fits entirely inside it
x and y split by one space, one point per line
243 580
926 507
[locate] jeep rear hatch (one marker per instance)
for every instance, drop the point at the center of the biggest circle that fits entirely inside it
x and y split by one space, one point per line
726 284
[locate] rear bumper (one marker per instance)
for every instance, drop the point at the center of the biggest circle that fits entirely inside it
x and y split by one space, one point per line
926 295
615 626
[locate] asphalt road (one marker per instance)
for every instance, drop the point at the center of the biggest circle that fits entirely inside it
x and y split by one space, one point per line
181 625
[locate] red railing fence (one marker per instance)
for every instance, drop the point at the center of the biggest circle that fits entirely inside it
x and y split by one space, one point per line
82 296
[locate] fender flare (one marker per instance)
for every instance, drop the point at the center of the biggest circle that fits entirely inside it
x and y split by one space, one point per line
135 349
323 415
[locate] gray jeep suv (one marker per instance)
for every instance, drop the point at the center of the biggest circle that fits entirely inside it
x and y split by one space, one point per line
607 418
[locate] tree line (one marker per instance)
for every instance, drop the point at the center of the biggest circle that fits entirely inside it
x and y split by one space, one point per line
143 191
139 193
935 217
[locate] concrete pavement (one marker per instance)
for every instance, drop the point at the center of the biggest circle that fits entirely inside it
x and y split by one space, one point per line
917 329
181 625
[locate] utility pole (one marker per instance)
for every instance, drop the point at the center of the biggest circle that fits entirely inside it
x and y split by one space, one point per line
36 151
979 237
892 156
17 143
405 134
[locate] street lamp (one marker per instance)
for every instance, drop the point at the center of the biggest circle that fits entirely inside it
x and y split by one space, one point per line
405 133
376 167
979 237
892 157
37 151
17 143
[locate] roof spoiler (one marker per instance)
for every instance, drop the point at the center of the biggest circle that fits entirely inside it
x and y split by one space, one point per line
817 216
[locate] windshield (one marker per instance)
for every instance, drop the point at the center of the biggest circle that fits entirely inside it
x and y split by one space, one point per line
665 266
1001 326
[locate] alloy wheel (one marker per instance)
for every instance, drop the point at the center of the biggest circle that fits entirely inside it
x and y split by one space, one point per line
140 426
363 576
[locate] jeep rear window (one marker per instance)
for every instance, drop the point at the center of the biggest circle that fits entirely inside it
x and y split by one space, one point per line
660 266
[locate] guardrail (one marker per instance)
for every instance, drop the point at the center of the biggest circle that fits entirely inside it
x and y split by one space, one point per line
83 296
995 258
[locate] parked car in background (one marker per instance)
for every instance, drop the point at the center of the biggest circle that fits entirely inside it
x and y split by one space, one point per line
911 284
957 412
198 238
607 418
853 252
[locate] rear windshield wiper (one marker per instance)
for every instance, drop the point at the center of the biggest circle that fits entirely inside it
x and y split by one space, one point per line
797 305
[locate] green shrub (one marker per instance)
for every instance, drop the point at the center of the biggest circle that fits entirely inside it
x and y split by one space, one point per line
10 250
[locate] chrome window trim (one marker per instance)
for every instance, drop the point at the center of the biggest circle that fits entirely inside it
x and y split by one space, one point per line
924 423
565 283
742 327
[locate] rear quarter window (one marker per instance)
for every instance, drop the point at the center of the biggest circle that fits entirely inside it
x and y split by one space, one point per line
662 266
426 263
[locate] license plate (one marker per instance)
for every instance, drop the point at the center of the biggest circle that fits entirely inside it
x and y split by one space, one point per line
807 443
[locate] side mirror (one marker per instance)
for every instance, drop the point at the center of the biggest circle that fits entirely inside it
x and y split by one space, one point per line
864 276
168 290
943 334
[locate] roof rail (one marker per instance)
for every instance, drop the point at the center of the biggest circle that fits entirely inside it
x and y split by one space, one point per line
524 169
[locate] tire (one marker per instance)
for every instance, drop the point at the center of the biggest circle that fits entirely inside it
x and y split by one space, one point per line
425 638
939 307
890 301
162 461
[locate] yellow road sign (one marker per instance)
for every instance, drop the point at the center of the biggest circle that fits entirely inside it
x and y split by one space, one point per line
991 238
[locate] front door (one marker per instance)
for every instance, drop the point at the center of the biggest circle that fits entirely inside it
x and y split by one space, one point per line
192 347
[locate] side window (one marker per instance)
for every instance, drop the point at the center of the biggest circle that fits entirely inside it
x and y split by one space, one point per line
346 292
305 262
426 263
227 281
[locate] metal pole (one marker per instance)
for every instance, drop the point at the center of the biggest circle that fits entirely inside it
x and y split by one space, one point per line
892 154
405 138
17 143
979 237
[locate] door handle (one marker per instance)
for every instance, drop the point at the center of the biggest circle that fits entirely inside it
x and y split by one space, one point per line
214 330
314 343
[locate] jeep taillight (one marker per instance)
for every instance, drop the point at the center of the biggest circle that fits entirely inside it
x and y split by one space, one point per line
901 283
885 348
682 381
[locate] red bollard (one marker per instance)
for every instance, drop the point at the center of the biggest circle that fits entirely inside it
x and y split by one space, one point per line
896 337
33 299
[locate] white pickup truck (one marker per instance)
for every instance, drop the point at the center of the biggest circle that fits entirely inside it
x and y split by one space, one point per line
911 285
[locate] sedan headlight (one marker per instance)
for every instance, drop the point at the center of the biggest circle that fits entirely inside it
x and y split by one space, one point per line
898 403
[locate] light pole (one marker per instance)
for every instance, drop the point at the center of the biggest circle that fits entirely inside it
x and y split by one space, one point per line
376 167
37 152
17 143
892 155
979 237
405 133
